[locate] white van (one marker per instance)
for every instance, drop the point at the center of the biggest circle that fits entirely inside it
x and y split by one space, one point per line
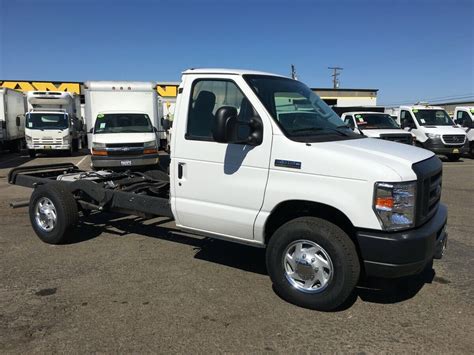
122 119
376 125
464 118
12 119
434 130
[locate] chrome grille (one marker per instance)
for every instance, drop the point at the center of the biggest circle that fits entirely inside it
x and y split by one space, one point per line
454 139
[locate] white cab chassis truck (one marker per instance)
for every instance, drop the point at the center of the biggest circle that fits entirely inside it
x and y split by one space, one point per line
53 122
376 125
464 118
12 119
123 124
433 130
250 164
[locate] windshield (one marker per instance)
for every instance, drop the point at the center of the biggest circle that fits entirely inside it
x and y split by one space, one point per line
47 121
123 123
375 121
299 112
433 117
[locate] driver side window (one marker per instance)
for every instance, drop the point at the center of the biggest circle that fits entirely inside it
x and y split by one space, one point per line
207 97
349 121
406 119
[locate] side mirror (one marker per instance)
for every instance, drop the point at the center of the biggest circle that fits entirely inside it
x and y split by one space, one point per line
407 124
228 129
155 129
18 121
91 130
167 124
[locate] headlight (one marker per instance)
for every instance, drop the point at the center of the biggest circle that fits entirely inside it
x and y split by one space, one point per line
96 145
394 204
433 136
28 139
150 144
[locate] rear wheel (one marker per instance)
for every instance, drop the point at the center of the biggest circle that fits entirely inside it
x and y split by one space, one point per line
53 213
312 263
453 157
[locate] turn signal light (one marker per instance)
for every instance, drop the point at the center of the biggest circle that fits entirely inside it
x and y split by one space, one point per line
150 151
384 202
99 152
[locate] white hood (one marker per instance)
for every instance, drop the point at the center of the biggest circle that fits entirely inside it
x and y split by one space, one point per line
375 133
443 130
123 137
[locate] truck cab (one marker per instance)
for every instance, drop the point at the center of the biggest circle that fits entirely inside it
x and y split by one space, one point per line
123 140
52 123
433 130
376 125
464 118
260 159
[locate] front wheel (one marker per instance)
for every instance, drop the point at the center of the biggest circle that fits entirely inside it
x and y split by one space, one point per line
32 153
53 213
313 263
453 157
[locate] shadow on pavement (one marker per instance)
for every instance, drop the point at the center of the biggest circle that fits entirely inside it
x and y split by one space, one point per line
247 258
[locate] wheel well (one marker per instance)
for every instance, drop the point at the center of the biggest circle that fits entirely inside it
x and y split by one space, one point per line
289 210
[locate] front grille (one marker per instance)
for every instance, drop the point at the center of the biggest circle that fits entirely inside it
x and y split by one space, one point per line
454 139
400 138
122 153
124 145
429 173
48 141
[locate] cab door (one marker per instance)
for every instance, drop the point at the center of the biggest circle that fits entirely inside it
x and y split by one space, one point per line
218 187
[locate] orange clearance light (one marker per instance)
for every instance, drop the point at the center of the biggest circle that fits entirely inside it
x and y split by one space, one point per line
150 151
99 152
384 202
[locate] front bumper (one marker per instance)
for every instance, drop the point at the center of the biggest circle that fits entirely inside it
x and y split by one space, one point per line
46 147
438 147
124 161
397 254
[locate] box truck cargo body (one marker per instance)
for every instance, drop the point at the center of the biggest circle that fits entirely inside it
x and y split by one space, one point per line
12 119
53 122
123 123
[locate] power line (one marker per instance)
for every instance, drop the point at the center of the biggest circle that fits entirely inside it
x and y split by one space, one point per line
434 99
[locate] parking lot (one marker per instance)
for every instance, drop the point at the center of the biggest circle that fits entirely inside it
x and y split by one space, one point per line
134 285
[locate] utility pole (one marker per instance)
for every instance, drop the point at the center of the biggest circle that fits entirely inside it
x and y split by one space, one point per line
293 72
335 74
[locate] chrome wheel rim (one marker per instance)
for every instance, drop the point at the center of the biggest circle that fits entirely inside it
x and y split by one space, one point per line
45 214
308 267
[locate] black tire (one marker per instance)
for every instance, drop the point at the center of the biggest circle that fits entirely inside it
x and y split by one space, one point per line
339 247
66 212
157 175
32 153
453 157
75 145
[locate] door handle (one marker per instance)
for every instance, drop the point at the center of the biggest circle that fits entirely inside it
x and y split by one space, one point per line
180 170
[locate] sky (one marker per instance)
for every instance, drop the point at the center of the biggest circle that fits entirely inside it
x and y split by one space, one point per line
410 50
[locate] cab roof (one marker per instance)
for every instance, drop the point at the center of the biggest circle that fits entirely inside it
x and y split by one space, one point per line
421 107
227 71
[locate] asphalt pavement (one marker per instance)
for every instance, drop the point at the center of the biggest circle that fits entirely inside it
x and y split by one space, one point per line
133 285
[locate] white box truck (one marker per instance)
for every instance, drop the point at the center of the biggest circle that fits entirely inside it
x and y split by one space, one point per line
12 119
328 205
433 130
464 118
53 122
123 122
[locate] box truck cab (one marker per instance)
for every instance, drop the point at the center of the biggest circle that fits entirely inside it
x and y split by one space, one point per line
124 139
260 159
53 122
376 125
464 118
12 119
124 124
433 129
